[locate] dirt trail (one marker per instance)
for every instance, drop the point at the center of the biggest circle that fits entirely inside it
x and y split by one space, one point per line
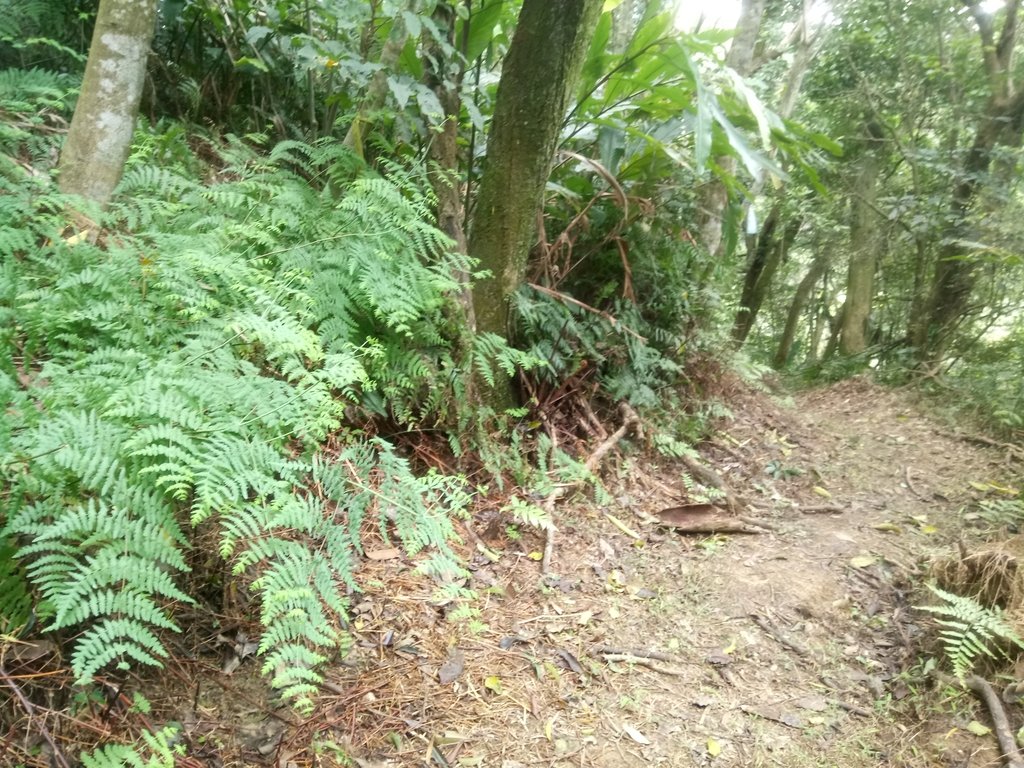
783 648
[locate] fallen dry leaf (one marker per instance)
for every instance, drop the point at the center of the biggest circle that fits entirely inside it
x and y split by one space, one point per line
383 554
452 668
634 734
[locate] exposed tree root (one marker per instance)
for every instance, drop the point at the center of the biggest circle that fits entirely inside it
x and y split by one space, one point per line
1000 723
1004 733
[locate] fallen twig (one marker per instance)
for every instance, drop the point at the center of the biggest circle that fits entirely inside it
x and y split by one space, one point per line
910 485
712 479
778 635
1013 450
605 650
640 661
705 519
822 509
601 313
853 709
629 421
57 755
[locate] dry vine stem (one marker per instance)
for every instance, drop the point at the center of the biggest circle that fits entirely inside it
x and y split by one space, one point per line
629 420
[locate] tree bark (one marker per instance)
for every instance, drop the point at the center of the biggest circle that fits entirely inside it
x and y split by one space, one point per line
770 250
538 78
100 137
864 242
796 308
443 77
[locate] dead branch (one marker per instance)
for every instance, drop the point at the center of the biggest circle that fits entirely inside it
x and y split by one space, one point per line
1013 451
629 421
853 709
600 312
704 518
910 485
707 476
640 661
823 509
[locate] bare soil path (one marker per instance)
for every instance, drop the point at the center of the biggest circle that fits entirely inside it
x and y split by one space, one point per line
795 646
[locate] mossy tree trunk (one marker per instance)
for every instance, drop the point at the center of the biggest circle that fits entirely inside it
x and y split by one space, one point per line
537 81
770 249
100 138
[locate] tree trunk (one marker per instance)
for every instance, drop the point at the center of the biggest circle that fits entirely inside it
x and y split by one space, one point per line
1001 123
714 196
624 22
796 308
864 242
537 81
821 321
443 78
100 137
769 251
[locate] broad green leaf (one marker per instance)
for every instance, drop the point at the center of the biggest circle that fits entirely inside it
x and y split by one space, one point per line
401 90
412 23
481 29
824 142
249 61
594 67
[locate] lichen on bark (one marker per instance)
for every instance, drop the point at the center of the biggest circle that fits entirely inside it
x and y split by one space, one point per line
100 137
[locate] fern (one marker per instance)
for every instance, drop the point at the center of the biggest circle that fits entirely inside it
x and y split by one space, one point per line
529 514
15 602
155 751
187 376
970 630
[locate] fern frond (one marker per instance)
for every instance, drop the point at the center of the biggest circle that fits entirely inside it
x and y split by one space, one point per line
970 630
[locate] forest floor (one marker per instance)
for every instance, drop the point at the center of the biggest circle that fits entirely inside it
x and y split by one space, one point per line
797 645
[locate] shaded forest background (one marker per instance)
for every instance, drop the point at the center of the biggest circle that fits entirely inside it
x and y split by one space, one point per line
364 263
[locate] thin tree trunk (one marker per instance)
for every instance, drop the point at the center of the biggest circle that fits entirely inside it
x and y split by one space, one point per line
821 321
835 324
624 21
797 306
377 93
864 242
100 137
955 276
769 252
443 168
714 196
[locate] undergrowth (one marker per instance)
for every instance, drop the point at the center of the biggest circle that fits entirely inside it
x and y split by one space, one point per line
183 364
